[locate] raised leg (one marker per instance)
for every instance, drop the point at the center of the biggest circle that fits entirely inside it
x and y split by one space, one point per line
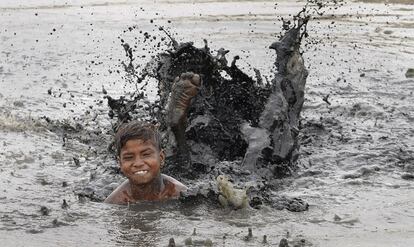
184 89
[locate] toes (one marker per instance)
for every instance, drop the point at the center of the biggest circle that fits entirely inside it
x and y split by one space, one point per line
196 80
187 75
190 76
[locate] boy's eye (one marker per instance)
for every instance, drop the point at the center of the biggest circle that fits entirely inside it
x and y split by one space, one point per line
147 152
129 157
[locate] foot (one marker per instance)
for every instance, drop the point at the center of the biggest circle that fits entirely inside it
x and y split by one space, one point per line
183 90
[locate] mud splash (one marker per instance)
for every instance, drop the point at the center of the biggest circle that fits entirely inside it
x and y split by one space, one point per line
237 125
244 128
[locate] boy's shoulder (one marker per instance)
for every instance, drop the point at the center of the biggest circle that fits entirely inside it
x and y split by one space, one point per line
180 187
120 194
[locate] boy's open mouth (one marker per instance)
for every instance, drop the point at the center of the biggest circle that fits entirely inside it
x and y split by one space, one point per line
141 172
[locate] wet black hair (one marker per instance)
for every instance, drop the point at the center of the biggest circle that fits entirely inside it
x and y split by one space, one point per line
137 130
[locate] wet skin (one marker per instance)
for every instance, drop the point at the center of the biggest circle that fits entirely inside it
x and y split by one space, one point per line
140 162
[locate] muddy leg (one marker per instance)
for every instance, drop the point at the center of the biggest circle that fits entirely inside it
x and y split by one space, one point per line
280 118
183 90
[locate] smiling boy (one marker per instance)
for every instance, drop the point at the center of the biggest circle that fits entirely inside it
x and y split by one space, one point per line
140 158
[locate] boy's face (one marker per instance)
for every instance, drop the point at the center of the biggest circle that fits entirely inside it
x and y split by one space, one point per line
140 161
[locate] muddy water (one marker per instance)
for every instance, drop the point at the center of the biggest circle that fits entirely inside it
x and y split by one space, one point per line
357 150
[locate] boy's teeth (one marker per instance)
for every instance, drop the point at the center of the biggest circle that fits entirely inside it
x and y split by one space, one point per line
141 172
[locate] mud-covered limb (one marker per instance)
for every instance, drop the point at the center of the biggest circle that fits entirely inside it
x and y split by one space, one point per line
276 121
297 75
184 89
280 118
293 87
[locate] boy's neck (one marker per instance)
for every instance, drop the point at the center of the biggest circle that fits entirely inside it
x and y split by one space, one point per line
148 191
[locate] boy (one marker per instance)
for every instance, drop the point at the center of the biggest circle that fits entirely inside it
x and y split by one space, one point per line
140 157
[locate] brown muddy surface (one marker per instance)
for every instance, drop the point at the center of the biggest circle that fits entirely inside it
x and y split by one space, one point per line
57 62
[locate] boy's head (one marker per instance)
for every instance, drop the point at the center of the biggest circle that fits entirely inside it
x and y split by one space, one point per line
139 151
137 130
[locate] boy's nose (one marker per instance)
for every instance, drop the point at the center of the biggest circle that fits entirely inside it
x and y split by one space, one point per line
138 162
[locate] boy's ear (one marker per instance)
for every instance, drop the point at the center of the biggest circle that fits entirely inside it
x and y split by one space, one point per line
162 158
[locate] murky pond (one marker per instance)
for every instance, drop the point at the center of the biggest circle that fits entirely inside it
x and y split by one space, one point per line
356 169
